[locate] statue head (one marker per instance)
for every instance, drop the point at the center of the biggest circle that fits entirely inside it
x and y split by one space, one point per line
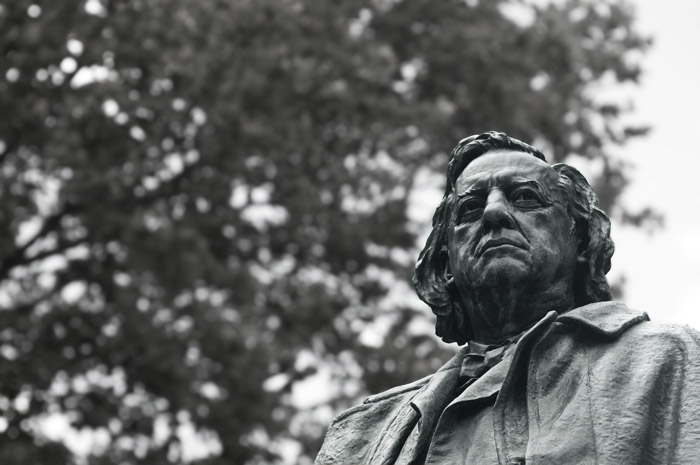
579 219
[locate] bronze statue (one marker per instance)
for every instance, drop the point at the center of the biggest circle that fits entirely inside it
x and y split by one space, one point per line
553 371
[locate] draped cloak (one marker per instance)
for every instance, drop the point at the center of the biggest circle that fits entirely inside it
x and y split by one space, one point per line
603 386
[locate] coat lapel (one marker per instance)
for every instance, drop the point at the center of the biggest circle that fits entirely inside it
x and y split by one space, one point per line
508 407
421 412
432 400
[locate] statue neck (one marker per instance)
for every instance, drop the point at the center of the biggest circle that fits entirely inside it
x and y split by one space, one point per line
497 313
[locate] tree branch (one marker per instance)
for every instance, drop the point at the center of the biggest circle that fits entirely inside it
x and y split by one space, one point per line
51 223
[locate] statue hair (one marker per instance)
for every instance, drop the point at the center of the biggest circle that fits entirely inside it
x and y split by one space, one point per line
432 277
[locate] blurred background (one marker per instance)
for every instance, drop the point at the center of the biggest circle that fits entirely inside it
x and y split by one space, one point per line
210 210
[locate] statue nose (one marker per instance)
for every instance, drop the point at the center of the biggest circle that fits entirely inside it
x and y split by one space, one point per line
497 212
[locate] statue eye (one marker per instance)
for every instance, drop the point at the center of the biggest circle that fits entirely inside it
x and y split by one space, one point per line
473 204
470 209
526 197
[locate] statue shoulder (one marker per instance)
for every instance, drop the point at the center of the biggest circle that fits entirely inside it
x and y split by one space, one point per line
398 390
667 335
380 404
350 436
652 343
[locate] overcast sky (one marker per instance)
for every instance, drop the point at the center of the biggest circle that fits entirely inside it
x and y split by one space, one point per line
663 271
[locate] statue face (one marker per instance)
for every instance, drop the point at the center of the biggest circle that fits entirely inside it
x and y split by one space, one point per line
509 226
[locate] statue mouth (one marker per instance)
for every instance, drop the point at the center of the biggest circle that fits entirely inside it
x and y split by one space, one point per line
499 242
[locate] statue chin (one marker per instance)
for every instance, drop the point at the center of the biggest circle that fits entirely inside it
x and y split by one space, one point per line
502 272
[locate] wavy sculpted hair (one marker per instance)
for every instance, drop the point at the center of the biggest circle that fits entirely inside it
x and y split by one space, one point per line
432 277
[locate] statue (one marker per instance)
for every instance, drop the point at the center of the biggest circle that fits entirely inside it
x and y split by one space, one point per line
553 371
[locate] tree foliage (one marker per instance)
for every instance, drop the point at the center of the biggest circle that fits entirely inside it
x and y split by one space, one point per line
204 204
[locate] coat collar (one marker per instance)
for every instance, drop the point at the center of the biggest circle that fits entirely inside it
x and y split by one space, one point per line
437 393
607 319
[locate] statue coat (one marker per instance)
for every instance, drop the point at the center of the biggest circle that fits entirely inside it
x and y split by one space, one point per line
603 386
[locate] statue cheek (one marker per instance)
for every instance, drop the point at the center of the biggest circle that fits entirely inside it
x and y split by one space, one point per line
551 224
460 253
545 218
460 237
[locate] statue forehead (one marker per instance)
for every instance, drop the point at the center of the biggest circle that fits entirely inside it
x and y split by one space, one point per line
500 165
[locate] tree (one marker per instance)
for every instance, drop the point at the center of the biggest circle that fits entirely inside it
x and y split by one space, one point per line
204 203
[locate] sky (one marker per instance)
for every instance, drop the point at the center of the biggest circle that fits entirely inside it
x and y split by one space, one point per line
662 270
